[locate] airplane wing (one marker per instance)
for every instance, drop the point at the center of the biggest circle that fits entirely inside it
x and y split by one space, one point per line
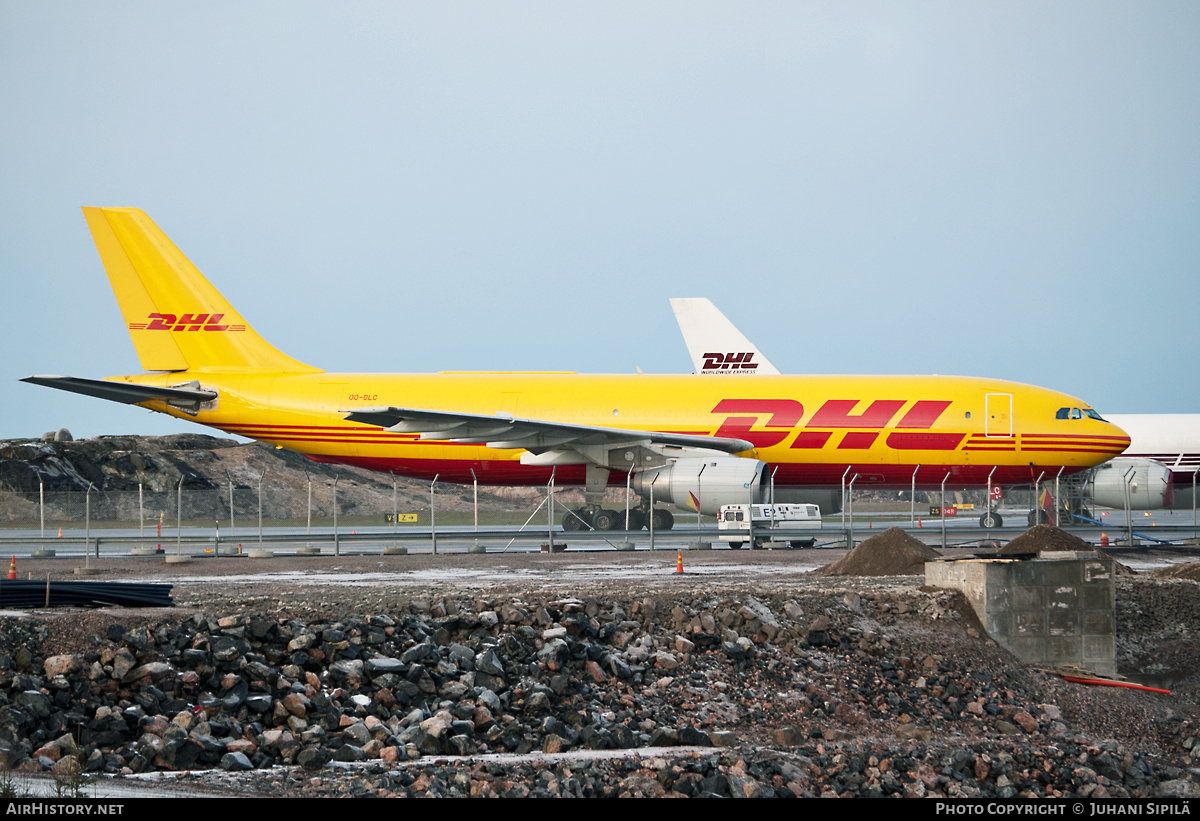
535 436
714 343
125 392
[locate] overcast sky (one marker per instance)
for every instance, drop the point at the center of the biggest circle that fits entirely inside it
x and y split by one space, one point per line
992 189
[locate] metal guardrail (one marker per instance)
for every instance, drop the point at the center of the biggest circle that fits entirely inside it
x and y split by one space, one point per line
827 537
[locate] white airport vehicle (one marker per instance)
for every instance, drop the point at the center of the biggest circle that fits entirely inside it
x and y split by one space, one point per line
793 524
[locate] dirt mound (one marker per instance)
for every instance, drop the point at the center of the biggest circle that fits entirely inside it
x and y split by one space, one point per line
1043 538
1189 571
890 553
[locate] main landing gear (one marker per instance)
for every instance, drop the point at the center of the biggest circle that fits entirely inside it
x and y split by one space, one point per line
605 520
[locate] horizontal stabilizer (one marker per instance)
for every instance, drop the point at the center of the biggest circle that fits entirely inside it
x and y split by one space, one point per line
128 393
531 434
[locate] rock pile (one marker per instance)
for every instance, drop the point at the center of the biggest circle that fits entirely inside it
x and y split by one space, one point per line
890 553
1186 570
1046 538
870 689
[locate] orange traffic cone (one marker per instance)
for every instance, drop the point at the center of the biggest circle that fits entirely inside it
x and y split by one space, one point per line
870 525
1104 540
60 533
12 569
918 521
679 562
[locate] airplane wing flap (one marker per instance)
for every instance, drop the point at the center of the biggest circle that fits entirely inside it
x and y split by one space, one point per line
506 432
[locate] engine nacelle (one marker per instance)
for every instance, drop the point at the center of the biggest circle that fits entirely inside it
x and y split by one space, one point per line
1149 484
715 481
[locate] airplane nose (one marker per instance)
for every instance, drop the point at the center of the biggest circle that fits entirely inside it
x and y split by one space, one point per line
1120 437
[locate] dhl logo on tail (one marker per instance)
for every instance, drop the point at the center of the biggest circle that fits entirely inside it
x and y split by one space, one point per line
189 322
729 361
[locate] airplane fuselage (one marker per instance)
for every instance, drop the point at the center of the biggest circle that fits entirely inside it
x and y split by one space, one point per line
811 430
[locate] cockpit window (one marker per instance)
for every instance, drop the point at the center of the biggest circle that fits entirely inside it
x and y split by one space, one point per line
1076 413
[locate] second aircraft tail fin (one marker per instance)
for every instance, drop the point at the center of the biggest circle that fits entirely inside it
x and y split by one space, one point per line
714 343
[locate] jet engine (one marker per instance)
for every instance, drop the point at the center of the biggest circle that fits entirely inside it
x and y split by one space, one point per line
1148 484
711 482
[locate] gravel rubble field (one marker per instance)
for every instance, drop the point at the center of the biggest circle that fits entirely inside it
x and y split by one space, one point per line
584 675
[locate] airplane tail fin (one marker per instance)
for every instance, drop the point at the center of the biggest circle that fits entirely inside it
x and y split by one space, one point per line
714 343
177 320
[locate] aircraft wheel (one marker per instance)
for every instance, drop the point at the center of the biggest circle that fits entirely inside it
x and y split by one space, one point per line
735 545
575 520
990 520
663 520
637 519
606 520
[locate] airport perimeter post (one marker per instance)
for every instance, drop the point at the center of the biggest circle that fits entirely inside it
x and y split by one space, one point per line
987 499
308 524
141 509
432 515
1128 508
337 545
1037 501
87 523
1194 472
1057 499
395 509
232 526
178 517
475 500
850 499
629 480
42 503
651 522
912 499
699 476
943 510
750 517
772 504
550 507
260 481
843 499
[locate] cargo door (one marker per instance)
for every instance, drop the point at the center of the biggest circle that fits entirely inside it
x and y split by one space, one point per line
998 415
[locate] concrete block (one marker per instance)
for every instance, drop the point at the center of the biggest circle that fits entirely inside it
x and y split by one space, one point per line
1064 649
1055 609
1028 573
1028 597
1062 621
1028 623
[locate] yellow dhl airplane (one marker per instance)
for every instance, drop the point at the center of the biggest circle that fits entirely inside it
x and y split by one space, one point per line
693 442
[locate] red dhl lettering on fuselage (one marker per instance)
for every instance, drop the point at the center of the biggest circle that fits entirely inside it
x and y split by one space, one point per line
912 431
188 322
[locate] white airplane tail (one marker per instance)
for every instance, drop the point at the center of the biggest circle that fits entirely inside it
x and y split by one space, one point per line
715 345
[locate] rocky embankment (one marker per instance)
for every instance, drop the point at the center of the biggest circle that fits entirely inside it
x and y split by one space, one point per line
200 468
847 687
